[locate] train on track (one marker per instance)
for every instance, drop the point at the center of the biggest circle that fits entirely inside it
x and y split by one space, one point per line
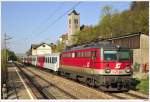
102 65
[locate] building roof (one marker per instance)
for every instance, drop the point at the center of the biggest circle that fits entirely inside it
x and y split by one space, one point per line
85 27
100 44
64 35
120 36
125 36
74 12
37 45
104 42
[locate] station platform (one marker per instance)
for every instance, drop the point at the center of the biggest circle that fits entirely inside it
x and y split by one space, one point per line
17 87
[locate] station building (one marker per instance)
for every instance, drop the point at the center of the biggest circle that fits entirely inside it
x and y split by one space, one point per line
40 49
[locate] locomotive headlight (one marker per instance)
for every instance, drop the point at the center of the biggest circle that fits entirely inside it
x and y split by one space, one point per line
107 70
128 70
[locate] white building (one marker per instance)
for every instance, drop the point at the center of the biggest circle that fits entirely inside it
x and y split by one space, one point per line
40 49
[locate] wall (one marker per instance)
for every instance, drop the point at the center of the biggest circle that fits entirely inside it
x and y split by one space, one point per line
34 51
131 42
141 58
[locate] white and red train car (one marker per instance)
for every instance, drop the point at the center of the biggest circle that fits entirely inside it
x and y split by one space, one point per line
102 64
49 61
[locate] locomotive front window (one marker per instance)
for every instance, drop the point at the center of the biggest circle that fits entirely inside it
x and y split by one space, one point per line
124 55
110 55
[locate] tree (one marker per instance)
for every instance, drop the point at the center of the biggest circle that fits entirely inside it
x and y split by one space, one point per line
60 47
8 55
113 23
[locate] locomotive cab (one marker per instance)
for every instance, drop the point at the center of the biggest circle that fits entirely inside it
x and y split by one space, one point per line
117 68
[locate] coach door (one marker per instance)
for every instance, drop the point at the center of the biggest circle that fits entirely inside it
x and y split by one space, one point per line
93 59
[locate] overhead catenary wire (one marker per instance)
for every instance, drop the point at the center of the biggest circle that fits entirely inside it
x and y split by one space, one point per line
44 22
51 24
53 13
48 18
56 20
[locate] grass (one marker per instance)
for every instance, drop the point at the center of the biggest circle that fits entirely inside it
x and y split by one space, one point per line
144 86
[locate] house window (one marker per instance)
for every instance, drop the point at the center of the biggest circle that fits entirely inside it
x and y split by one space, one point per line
69 21
43 45
75 21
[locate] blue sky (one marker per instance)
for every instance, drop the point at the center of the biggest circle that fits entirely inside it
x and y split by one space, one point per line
24 21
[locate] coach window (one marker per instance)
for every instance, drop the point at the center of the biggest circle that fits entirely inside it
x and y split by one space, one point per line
75 54
50 59
78 54
47 59
55 59
93 54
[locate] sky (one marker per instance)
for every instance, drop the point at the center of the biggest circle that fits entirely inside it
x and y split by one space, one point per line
33 22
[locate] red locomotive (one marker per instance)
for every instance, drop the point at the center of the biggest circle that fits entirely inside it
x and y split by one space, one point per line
101 64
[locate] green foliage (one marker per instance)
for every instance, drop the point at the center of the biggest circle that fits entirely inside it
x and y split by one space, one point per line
113 23
60 47
8 55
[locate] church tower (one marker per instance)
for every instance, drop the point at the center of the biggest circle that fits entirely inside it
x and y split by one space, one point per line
73 25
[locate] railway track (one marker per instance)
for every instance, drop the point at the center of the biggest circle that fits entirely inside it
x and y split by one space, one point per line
120 95
138 94
130 95
114 95
47 89
37 90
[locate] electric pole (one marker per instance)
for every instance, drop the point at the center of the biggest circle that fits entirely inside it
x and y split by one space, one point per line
4 67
